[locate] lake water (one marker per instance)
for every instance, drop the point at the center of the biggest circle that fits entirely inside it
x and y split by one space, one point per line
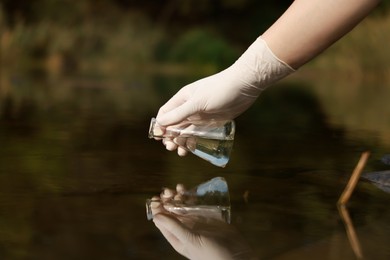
76 167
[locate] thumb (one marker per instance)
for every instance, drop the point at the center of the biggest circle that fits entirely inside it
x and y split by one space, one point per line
171 224
173 230
177 114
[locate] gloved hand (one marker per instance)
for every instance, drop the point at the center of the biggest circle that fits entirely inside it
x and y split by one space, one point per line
226 94
198 236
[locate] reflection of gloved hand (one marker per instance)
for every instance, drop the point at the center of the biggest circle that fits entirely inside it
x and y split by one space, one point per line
228 93
197 236
205 240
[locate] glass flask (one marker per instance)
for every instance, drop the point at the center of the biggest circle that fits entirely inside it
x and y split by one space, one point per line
211 140
209 199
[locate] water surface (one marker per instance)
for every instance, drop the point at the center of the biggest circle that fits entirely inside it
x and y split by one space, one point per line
76 166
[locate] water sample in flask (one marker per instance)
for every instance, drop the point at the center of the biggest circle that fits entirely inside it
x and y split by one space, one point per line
210 199
211 140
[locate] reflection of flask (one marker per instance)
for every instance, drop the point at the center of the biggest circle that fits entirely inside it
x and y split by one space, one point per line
210 140
210 199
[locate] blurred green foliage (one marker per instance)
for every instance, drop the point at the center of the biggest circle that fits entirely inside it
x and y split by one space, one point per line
202 48
118 37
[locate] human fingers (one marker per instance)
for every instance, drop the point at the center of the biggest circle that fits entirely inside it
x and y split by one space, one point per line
170 145
167 194
181 145
180 192
181 151
179 196
180 188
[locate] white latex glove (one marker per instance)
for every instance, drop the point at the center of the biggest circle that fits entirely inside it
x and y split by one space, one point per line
198 236
226 94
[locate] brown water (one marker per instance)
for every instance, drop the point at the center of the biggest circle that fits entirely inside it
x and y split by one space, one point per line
76 166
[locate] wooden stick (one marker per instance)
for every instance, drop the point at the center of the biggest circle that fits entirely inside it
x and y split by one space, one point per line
344 198
351 233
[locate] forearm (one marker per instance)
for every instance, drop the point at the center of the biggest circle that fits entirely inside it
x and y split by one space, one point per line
310 26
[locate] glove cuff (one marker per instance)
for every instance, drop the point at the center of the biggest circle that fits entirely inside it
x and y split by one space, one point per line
259 67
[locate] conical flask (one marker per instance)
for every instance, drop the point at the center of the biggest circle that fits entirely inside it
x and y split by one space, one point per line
211 140
209 199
